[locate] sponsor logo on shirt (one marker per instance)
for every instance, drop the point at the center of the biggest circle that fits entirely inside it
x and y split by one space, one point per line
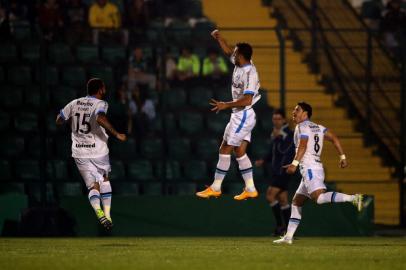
82 145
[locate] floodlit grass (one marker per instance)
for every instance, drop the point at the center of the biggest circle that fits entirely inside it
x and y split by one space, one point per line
202 253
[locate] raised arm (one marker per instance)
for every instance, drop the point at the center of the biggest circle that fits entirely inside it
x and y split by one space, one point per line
104 122
222 42
330 136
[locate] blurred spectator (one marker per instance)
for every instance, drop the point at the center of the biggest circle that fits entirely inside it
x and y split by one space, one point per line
138 15
119 111
4 25
188 66
143 112
371 12
16 10
50 19
105 17
393 23
214 66
75 19
139 70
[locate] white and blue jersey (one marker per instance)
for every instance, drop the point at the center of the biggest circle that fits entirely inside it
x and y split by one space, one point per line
310 166
243 119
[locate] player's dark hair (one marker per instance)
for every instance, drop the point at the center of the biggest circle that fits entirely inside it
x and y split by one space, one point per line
94 85
306 107
245 50
280 112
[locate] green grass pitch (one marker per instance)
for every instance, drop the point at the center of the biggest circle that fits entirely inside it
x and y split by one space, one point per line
202 253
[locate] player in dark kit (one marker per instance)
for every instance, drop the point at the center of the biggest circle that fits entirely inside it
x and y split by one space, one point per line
281 152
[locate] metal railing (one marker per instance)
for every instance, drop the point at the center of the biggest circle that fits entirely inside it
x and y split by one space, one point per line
357 66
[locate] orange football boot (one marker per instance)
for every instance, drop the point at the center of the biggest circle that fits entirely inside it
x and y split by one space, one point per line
246 195
208 192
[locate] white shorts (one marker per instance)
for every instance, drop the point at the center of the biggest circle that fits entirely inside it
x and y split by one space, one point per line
239 128
93 169
312 180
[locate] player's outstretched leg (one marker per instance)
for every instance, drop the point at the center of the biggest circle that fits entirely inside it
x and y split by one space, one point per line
336 197
94 198
106 194
245 167
214 190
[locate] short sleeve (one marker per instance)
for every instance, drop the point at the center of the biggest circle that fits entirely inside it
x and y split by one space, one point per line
66 112
101 107
304 132
251 83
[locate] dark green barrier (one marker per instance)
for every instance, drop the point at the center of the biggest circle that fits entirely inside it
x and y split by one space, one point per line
190 216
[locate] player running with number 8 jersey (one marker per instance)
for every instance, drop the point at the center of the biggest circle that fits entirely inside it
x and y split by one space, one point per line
89 123
309 138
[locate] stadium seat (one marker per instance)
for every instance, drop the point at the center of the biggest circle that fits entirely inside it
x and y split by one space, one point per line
63 145
126 189
60 53
217 122
30 52
155 31
2 75
179 148
33 97
13 146
87 53
27 170
114 55
200 98
152 148
117 171
179 32
152 189
174 98
19 75
74 76
186 189
207 148
170 124
8 53
233 174
191 122
140 170
123 150
223 94
258 148
195 170
33 146
51 77
13 99
5 121
5 170
170 172
70 189
21 30
104 72
62 96
157 124
57 170
26 122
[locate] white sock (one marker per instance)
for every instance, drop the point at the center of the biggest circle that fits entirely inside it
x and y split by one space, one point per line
94 199
245 167
334 197
105 192
222 168
294 221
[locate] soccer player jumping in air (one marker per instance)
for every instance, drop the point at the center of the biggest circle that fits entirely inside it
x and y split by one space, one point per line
89 145
309 138
237 135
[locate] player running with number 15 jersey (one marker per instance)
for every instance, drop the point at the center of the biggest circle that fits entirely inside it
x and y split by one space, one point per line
89 123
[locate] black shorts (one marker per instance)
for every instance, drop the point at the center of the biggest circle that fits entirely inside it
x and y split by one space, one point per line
280 181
